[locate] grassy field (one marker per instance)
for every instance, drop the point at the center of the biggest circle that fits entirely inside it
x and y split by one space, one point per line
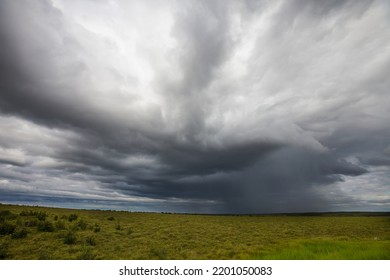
52 233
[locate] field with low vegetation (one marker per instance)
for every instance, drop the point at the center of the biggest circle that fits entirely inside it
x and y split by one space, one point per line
28 232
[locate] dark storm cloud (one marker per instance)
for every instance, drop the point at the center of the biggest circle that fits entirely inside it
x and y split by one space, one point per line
200 106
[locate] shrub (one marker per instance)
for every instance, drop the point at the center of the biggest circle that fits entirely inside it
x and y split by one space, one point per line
6 228
45 226
72 217
64 217
22 233
70 238
55 218
118 227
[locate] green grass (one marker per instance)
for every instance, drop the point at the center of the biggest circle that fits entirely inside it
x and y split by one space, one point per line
331 250
52 233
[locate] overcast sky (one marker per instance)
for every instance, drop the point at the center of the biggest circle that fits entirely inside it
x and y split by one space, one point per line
196 106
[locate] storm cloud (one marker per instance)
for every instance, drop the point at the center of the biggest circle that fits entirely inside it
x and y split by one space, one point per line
196 106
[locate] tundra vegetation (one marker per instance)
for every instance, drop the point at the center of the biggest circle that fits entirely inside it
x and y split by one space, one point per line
28 232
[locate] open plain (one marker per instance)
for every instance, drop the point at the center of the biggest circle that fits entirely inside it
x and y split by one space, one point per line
28 232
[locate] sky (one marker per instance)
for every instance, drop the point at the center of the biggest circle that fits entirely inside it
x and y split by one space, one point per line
196 106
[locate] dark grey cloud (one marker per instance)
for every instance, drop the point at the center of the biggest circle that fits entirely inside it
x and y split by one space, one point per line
200 106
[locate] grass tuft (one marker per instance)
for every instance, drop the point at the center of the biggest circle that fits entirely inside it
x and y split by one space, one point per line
70 238
6 228
86 254
82 225
96 228
158 253
90 240
41 215
19 234
31 223
60 225
45 226
4 253
72 217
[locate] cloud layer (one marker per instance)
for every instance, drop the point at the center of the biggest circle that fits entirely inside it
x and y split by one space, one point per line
196 106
